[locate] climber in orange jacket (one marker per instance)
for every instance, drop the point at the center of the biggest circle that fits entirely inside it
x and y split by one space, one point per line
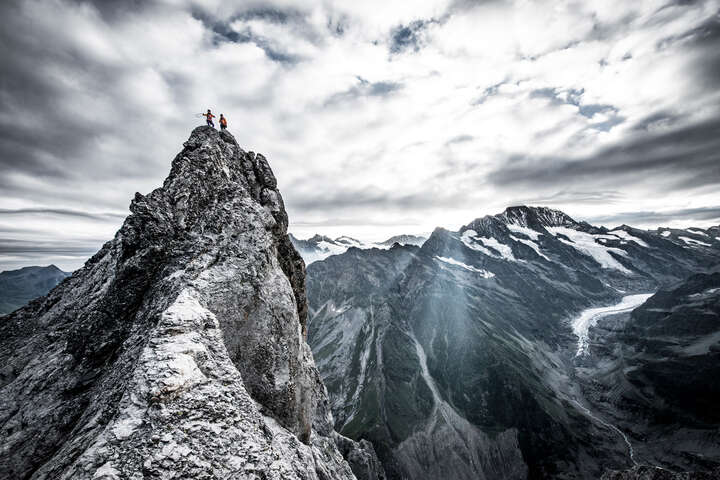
209 116
223 122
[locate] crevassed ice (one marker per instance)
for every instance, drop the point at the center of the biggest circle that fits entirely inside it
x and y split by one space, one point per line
452 261
692 241
630 238
585 243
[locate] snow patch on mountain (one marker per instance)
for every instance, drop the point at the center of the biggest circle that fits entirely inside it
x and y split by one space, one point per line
528 232
587 244
692 241
470 239
532 245
698 231
630 238
457 263
504 250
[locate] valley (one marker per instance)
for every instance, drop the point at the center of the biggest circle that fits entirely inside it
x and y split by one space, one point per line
503 340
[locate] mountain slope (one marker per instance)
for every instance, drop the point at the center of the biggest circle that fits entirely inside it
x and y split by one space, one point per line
654 372
465 344
177 351
18 287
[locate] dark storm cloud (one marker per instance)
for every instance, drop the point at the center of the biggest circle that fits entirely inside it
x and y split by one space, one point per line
38 126
46 77
687 157
658 218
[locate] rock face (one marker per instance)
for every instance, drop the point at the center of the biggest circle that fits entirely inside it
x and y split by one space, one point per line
18 287
177 351
458 359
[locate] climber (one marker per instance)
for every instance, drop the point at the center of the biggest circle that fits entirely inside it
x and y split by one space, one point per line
223 122
209 116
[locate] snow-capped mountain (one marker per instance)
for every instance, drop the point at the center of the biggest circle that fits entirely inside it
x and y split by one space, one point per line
472 356
18 287
404 240
177 351
319 247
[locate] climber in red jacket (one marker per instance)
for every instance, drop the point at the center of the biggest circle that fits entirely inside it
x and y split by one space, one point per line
209 116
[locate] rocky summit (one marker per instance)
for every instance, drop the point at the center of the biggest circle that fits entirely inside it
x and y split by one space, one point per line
178 350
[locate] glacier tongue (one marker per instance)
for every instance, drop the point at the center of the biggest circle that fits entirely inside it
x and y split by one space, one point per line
588 318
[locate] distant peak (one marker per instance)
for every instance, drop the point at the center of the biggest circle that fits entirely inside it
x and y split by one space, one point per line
528 216
317 238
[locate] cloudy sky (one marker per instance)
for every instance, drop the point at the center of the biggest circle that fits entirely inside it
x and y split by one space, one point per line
378 116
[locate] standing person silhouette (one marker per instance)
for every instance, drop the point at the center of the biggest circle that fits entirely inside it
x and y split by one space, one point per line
223 122
209 116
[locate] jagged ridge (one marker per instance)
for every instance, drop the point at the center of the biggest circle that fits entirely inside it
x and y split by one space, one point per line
177 351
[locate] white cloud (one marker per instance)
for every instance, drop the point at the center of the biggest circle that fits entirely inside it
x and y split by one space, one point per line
354 129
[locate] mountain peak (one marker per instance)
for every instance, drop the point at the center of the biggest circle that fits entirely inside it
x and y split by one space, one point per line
190 321
527 216
317 238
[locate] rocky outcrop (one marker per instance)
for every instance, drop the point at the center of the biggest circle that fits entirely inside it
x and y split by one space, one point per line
177 351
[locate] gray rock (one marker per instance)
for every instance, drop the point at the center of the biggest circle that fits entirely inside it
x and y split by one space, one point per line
177 351
657 473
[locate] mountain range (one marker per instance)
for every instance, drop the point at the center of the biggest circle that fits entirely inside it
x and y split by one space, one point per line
523 345
319 247
478 354
18 287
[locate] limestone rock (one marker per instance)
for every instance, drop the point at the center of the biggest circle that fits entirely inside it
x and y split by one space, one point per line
177 351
